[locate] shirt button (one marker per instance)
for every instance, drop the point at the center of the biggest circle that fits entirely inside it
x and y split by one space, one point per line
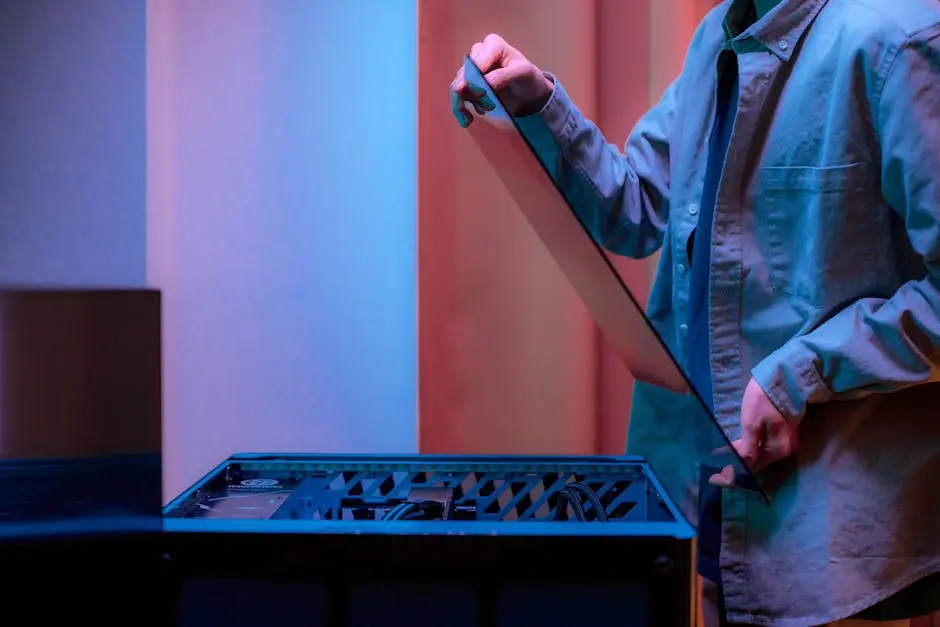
783 44
693 209
683 329
680 268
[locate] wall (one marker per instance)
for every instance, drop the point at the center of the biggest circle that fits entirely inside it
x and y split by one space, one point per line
507 357
73 155
207 149
281 225
510 360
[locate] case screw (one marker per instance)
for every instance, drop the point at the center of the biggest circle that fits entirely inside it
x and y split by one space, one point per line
663 565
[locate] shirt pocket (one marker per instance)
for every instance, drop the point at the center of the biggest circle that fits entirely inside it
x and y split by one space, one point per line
818 231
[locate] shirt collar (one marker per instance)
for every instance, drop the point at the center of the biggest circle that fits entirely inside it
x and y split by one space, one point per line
763 7
779 31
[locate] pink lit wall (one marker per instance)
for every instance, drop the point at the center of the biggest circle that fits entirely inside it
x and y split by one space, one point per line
509 359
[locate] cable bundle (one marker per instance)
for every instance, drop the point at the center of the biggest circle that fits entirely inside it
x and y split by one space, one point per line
572 494
415 510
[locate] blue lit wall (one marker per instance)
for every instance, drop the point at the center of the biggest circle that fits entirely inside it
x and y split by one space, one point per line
282 208
256 161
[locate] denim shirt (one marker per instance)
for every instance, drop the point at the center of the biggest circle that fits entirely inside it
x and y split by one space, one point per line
824 287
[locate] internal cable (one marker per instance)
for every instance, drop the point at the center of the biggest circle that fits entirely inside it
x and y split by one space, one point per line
412 510
398 511
567 495
572 493
592 497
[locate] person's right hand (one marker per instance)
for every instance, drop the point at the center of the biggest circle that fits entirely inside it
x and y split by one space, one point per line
520 86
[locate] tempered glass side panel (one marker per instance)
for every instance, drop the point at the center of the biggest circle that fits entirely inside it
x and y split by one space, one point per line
80 413
684 436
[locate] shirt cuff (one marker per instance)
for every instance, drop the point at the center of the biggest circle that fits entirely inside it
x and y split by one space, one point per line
557 116
789 378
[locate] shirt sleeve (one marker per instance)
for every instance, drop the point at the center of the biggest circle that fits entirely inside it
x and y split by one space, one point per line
879 345
622 197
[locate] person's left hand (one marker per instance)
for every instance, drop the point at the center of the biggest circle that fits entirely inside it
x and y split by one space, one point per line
766 434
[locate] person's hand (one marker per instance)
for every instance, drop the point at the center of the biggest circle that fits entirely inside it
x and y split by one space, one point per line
521 86
766 435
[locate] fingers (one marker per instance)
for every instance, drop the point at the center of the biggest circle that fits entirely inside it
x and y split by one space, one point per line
502 77
482 103
476 97
781 441
755 456
723 479
458 99
462 93
460 81
749 446
487 55
489 52
457 102
778 441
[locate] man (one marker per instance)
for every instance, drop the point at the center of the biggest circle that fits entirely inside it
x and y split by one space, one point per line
790 177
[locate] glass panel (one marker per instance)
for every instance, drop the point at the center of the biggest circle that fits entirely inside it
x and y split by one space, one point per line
80 414
677 432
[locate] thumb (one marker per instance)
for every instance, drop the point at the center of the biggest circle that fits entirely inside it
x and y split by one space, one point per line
748 447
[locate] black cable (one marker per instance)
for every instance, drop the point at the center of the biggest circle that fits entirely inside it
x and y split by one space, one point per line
572 493
411 510
396 512
592 497
567 495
